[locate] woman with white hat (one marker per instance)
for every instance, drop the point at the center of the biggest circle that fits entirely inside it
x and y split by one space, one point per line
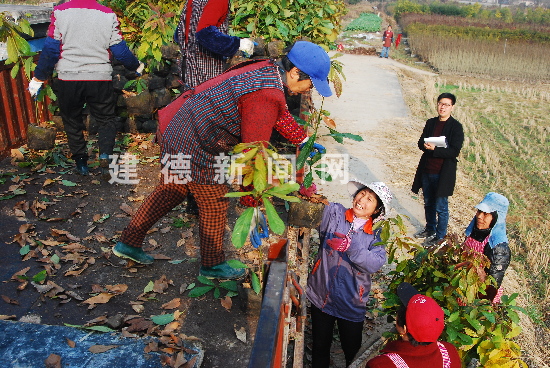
339 284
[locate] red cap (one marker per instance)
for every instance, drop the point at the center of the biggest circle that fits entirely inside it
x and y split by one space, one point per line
424 319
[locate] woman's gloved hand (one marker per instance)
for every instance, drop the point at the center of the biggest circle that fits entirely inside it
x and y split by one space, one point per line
317 148
340 243
259 231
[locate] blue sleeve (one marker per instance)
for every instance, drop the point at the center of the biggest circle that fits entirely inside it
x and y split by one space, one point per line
219 43
367 257
122 53
48 58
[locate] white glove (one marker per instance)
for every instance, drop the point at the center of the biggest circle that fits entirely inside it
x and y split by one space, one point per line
139 70
34 86
247 46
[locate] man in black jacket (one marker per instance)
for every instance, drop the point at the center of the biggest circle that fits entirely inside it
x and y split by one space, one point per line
436 172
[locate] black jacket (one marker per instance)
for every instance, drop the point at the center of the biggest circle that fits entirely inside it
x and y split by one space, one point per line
455 137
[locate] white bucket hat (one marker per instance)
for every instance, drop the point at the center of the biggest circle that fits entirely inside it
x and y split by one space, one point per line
378 187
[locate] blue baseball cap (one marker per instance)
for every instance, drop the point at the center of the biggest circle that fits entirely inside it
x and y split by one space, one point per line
315 62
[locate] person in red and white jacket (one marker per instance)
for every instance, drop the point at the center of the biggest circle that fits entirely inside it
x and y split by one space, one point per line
420 322
81 38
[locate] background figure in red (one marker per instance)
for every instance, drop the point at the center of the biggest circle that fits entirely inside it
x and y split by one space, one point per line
398 41
387 40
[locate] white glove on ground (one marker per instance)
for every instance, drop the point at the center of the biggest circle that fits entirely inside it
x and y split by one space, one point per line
139 70
34 86
247 46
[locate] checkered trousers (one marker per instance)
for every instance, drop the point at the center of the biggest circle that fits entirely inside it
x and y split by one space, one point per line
212 216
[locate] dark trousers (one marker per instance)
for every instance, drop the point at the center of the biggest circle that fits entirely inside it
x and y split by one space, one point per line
436 209
100 98
351 334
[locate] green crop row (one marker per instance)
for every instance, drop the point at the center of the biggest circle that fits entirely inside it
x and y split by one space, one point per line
367 22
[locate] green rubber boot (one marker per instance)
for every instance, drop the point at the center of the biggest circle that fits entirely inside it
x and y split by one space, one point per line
222 271
135 254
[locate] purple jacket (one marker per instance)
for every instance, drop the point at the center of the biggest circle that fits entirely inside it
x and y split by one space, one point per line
340 282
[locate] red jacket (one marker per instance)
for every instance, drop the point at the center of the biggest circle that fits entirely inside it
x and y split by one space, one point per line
422 356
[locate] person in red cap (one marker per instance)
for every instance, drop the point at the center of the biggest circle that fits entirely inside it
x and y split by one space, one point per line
420 322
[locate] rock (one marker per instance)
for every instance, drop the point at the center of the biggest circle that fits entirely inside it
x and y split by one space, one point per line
259 48
119 81
170 52
149 126
162 97
141 104
155 82
39 138
115 322
172 82
275 48
58 123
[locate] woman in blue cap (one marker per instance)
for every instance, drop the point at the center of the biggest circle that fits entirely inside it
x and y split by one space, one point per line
487 234
243 108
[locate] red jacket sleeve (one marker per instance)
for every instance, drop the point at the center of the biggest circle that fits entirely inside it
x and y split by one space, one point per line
263 110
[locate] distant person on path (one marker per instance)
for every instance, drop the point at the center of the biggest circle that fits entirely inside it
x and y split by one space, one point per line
202 35
340 282
436 172
420 321
487 234
387 40
82 36
244 108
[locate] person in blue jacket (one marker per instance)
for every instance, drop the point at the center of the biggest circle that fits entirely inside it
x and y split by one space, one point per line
338 287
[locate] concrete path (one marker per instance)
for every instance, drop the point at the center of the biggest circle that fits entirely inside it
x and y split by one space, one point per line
371 95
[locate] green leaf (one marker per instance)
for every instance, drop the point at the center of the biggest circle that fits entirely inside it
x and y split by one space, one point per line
308 180
235 263
231 294
149 287
260 173
55 259
285 188
200 291
242 228
40 276
190 286
25 250
163 319
93 328
14 70
68 183
256 285
230 285
206 280
217 293
274 221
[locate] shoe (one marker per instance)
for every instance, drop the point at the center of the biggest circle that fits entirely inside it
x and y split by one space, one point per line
104 162
135 254
222 271
432 242
82 166
424 234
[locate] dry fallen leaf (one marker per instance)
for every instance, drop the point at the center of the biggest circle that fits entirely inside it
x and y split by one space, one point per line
172 304
20 273
118 288
138 308
124 207
9 300
99 299
227 303
53 361
71 343
241 333
101 348
5 317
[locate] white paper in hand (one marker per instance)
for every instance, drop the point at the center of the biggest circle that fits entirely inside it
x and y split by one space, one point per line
437 141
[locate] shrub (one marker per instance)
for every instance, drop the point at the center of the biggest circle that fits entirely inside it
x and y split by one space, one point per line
366 22
455 278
